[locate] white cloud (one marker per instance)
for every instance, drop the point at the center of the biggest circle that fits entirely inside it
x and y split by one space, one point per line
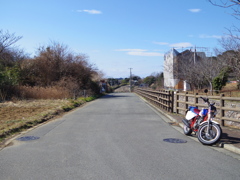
90 11
161 43
181 45
175 45
194 10
135 50
209 36
140 52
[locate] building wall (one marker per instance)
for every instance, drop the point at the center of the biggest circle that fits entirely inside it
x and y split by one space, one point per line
171 71
169 78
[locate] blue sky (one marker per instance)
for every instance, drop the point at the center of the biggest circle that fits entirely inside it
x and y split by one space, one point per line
117 34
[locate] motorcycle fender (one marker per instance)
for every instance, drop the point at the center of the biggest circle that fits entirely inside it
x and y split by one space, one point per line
215 122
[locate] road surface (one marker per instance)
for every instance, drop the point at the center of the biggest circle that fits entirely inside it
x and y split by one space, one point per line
117 137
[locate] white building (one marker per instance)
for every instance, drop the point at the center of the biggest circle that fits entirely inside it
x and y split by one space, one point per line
171 67
170 78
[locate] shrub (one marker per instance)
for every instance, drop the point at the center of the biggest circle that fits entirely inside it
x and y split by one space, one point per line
53 92
220 80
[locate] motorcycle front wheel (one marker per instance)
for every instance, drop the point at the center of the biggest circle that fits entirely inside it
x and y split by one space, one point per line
214 135
187 131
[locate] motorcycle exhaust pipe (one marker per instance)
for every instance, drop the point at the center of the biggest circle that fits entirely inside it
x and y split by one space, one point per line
186 123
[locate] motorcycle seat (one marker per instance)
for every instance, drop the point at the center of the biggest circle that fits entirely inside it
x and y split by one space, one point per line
194 109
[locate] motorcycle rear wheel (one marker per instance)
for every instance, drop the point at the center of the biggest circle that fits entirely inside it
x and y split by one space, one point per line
214 135
187 131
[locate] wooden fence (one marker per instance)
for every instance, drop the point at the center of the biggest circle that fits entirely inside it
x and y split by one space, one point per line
228 107
161 98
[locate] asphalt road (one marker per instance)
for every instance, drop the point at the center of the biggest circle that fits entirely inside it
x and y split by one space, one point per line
117 137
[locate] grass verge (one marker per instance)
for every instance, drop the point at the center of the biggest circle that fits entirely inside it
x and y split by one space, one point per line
18 116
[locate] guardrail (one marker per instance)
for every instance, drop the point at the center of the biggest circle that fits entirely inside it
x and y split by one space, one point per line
162 98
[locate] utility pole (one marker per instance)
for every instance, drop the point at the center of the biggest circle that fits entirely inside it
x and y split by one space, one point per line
194 58
130 79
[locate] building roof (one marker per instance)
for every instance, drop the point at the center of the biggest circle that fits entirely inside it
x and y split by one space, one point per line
174 52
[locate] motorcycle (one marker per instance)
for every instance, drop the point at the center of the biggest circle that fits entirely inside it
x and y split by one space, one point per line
201 122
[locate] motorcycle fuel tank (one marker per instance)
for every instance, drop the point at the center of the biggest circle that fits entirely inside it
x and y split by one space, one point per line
190 115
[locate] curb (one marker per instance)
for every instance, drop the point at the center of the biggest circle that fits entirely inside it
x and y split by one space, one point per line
231 148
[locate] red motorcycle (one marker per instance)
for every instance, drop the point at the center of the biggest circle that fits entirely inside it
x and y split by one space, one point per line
201 122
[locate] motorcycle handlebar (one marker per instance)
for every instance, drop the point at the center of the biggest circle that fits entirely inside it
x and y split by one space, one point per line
204 99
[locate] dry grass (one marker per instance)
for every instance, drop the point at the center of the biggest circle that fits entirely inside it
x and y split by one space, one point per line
231 90
230 86
20 115
15 116
53 92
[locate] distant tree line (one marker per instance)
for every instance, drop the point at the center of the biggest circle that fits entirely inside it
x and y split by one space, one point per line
155 81
53 66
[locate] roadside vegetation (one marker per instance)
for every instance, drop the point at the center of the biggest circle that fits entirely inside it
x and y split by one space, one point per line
54 72
17 116
36 89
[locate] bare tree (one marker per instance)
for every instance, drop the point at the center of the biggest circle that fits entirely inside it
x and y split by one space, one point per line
233 4
8 53
99 75
209 68
197 69
7 39
231 43
57 65
231 55
188 68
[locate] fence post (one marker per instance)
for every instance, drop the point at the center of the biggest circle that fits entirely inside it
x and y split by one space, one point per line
196 100
221 109
186 100
177 103
169 109
172 101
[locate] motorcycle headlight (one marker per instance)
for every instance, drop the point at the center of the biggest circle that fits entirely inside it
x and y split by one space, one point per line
213 113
